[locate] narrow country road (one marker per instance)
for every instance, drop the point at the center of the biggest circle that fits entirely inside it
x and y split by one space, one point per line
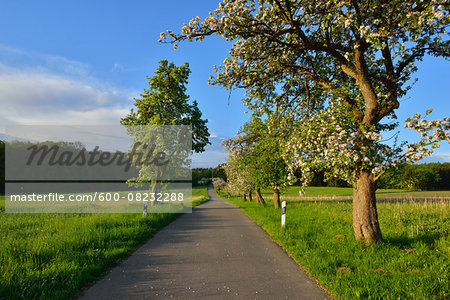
216 252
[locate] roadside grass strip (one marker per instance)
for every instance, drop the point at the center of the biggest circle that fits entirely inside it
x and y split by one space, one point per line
412 261
53 256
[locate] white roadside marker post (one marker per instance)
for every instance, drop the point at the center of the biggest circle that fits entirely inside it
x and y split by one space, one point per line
283 213
144 212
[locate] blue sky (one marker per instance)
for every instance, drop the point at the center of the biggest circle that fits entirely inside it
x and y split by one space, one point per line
82 62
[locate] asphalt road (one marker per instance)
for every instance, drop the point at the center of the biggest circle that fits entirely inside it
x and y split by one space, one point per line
216 252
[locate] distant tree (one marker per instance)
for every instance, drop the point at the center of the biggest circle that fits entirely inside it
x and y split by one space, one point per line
260 144
219 172
421 177
199 173
342 66
165 102
431 176
238 176
219 183
444 173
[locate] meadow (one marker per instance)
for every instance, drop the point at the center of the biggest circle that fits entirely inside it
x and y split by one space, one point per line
412 261
325 192
53 256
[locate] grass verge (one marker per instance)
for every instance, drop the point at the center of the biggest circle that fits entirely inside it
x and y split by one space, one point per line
324 191
53 256
412 262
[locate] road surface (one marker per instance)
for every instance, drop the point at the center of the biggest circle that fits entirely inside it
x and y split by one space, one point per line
216 252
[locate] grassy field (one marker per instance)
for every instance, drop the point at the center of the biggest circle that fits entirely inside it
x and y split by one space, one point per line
323 191
52 256
412 262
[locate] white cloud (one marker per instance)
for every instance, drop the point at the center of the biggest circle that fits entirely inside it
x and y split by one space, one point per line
213 155
56 91
208 159
20 59
41 89
212 134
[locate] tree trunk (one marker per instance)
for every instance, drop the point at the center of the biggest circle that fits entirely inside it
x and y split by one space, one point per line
152 203
276 197
155 190
156 185
245 197
250 198
365 217
259 197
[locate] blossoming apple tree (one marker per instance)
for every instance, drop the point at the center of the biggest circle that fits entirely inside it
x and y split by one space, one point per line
258 145
344 65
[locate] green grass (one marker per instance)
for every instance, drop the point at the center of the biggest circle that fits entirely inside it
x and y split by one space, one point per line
2 203
53 256
314 191
199 195
324 193
382 271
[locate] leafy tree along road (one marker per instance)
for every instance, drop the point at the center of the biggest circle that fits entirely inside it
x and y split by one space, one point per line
165 102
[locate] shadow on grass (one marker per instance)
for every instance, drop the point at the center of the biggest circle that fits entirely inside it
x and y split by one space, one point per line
379 200
404 242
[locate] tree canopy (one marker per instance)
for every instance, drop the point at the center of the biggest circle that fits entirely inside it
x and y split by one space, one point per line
257 149
165 102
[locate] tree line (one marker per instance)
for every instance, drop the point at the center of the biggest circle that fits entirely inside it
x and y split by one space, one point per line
427 176
431 176
209 173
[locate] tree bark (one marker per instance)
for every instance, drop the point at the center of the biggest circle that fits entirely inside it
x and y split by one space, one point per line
276 197
259 197
156 185
250 198
245 197
365 217
152 203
